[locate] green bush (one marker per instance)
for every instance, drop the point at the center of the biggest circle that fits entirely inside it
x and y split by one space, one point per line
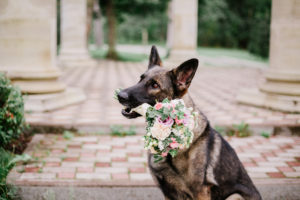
11 111
119 130
235 24
7 192
7 162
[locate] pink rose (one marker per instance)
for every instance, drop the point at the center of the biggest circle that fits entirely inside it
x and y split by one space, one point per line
164 154
174 145
158 106
186 119
167 122
178 121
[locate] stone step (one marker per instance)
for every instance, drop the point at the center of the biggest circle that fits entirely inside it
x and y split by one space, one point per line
276 190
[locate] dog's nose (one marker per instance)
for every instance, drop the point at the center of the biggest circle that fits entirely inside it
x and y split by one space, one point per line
123 96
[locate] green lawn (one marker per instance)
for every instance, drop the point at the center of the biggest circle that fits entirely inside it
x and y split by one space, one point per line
234 53
204 51
122 56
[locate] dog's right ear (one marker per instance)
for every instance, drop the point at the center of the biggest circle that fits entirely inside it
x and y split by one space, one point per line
183 75
154 58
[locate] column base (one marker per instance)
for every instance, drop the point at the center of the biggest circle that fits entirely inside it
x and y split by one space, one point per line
48 102
76 59
33 73
282 88
255 97
39 86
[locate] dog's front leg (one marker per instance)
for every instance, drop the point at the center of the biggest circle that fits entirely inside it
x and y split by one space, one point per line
172 186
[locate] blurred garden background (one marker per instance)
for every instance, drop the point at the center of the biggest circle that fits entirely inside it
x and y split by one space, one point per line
223 27
62 135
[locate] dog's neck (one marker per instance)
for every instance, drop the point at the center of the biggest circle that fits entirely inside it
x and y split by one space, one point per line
201 121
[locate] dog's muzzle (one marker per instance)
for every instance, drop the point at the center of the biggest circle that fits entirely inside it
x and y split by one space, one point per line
123 98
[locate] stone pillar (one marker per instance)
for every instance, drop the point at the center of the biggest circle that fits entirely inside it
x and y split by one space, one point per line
182 29
74 50
28 51
281 89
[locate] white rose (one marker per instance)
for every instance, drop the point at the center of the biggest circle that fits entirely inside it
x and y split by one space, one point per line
179 132
161 145
160 131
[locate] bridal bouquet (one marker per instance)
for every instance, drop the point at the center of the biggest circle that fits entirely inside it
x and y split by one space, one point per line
169 128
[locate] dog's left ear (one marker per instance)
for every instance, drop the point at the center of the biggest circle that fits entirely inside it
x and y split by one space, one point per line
183 75
154 58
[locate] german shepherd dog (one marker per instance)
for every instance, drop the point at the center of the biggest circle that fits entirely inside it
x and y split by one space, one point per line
209 168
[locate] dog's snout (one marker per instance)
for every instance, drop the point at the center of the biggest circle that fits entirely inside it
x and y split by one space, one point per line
123 96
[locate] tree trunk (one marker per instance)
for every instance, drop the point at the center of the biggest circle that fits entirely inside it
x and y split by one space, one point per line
111 18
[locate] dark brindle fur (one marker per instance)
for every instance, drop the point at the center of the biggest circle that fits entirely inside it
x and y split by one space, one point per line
210 168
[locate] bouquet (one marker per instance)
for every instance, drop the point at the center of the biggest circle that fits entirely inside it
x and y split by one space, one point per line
169 128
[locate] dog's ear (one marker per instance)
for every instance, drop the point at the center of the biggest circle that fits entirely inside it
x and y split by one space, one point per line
154 58
183 75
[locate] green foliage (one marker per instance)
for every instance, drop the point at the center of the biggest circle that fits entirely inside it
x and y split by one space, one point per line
11 111
7 162
229 52
6 191
119 130
133 16
236 24
140 8
259 33
131 27
265 134
122 56
238 130
68 135
131 57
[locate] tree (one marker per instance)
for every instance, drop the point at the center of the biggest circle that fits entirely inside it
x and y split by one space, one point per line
115 8
235 23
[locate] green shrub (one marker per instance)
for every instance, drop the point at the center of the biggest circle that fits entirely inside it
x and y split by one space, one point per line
68 135
11 111
237 130
118 130
235 24
7 162
240 130
7 192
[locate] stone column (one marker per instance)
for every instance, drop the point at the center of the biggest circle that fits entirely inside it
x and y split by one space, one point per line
74 50
281 89
182 29
28 51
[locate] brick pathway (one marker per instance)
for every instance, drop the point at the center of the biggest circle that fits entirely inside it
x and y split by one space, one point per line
106 160
213 89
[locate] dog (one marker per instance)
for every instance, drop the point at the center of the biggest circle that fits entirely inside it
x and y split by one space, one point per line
209 168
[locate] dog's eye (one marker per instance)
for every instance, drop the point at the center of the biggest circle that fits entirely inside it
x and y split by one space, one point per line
155 85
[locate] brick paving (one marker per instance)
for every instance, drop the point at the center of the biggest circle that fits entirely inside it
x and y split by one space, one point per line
213 89
107 160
